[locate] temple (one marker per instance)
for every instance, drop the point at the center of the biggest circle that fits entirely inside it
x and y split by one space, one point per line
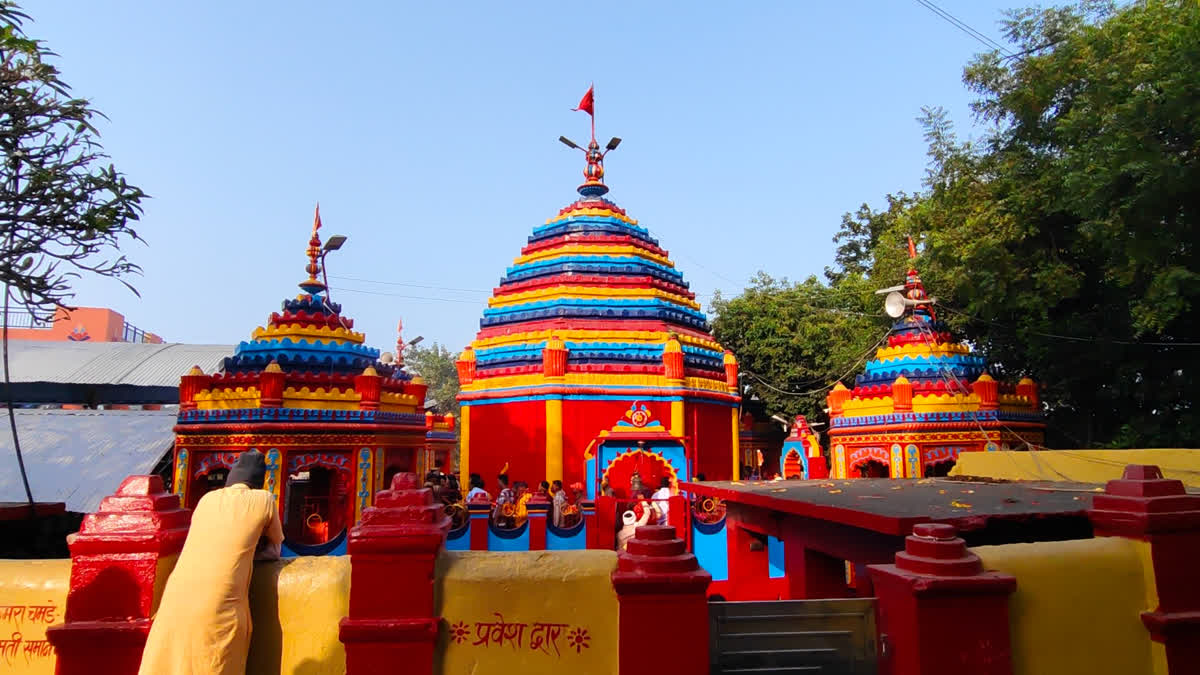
801 456
591 326
924 399
335 421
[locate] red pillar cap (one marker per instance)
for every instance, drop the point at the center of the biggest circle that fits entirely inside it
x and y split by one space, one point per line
656 561
1142 502
935 549
140 517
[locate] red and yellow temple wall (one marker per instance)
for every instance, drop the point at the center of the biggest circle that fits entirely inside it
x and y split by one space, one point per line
521 435
1119 602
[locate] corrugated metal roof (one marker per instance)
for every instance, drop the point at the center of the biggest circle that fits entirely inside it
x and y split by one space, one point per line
81 456
119 363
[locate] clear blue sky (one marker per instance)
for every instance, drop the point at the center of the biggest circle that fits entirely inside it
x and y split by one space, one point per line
427 132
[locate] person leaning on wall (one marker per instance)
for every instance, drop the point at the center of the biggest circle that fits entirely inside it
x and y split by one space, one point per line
203 622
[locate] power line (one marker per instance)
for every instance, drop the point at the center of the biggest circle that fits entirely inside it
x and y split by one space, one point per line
409 284
1072 338
852 368
407 297
962 26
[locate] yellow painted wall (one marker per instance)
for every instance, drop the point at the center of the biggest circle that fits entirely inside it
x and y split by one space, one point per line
1077 607
1083 466
536 612
296 605
33 597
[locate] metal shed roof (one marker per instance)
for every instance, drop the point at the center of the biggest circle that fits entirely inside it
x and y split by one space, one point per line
94 373
81 456
118 363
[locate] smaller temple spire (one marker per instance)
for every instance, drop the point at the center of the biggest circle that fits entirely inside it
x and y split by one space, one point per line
312 285
914 289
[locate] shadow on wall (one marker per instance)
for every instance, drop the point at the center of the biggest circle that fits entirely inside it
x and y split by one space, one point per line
296 605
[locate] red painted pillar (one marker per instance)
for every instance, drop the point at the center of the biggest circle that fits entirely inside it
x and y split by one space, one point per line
538 511
939 612
678 512
811 575
818 468
602 528
115 568
392 555
1143 505
656 577
478 515
747 567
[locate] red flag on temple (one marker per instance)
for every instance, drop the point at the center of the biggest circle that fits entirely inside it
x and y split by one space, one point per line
586 103
912 248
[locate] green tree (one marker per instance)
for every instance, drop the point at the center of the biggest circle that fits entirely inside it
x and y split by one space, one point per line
1069 236
793 340
435 364
64 212
1062 243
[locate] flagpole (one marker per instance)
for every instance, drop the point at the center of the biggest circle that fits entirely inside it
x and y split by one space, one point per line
593 115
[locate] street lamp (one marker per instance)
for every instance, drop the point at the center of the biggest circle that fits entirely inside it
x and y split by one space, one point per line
332 244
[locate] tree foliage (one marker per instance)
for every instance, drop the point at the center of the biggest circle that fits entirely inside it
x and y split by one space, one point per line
789 338
1063 242
63 210
435 364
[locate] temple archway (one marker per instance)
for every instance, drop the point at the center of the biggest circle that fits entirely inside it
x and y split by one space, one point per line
316 505
793 464
939 469
214 479
870 462
873 468
650 467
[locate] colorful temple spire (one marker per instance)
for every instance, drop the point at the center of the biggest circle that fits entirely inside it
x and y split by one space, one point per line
924 399
309 393
593 316
312 285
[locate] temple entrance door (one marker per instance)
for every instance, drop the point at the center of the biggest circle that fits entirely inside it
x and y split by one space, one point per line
873 469
939 469
317 498
649 468
793 465
213 480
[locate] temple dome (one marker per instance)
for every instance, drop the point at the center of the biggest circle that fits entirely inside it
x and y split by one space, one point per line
592 323
597 279
924 399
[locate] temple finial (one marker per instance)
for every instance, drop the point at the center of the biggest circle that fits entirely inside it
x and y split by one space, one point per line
593 175
312 285
400 345
914 290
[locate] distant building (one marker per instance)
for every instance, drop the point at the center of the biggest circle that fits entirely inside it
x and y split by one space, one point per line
81 324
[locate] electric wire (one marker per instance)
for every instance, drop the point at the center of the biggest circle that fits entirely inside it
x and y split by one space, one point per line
962 26
1074 338
852 368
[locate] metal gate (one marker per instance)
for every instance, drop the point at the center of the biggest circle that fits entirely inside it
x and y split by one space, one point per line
793 636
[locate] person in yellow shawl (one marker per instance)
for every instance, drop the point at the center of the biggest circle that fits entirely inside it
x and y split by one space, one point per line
203 622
